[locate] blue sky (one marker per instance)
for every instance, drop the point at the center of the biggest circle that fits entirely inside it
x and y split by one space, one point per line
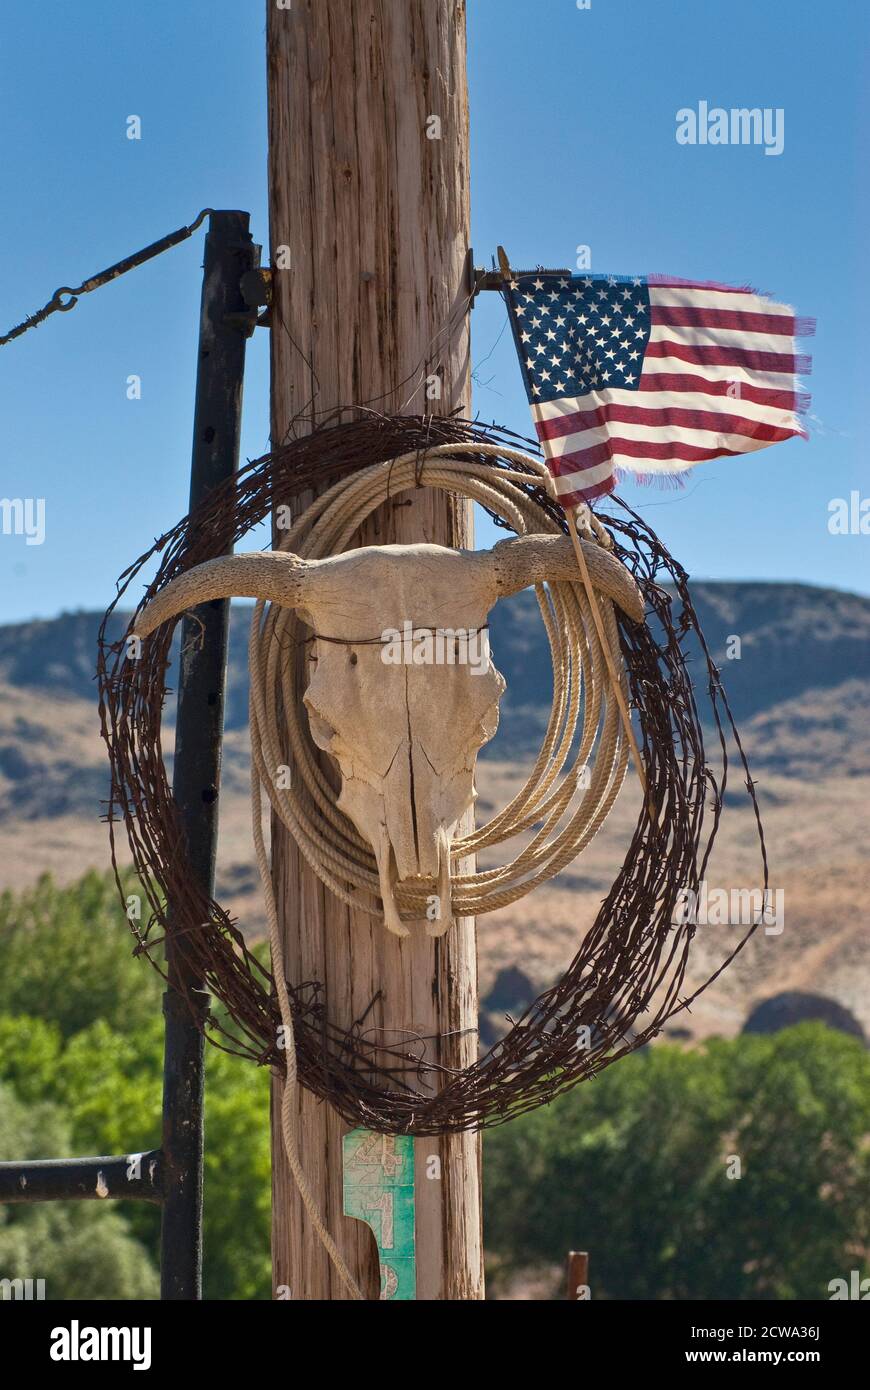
573 142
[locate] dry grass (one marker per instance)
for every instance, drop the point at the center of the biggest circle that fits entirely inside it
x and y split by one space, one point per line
812 822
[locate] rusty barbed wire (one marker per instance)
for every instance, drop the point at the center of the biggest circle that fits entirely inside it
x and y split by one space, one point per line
626 979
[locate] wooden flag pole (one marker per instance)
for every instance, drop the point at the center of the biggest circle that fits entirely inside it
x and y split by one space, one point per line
618 692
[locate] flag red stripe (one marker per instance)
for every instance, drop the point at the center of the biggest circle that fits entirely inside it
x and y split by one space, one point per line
675 316
759 395
635 448
670 415
587 494
749 358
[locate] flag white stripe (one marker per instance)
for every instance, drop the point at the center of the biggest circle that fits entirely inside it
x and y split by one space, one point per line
586 477
630 464
680 298
723 338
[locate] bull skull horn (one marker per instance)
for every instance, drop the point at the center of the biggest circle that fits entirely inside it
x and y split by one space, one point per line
278 577
537 559
271 575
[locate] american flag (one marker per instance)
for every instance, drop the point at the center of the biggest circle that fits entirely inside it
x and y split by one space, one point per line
652 374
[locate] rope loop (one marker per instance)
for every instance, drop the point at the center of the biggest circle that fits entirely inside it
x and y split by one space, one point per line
583 757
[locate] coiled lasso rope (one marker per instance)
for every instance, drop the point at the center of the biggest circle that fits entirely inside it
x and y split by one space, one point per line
583 698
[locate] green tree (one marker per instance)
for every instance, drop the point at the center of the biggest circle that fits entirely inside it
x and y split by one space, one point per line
640 1167
66 955
237 1208
108 1087
81 1029
81 1249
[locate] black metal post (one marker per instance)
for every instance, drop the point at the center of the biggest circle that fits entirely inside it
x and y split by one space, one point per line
225 324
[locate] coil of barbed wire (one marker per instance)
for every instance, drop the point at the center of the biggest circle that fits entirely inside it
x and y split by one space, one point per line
627 976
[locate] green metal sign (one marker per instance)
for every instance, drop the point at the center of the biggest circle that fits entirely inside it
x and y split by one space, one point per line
379 1190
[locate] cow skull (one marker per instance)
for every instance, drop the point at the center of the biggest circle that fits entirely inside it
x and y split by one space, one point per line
402 716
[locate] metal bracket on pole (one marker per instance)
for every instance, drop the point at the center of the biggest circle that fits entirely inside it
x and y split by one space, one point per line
256 288
495 279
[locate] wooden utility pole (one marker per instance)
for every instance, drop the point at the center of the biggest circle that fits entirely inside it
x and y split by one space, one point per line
369 209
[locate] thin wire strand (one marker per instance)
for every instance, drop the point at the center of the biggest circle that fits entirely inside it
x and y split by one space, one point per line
59 304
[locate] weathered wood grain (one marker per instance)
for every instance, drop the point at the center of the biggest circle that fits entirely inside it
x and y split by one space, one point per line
376 218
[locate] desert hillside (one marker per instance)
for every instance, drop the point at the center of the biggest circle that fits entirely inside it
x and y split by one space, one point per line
799 691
